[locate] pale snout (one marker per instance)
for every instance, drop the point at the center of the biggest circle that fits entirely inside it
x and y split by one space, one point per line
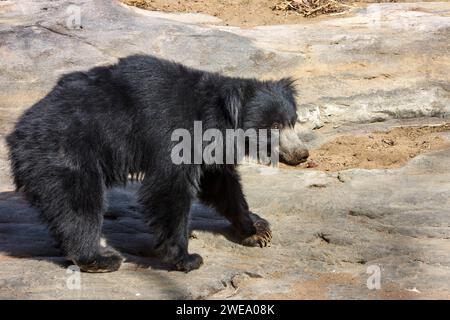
292 149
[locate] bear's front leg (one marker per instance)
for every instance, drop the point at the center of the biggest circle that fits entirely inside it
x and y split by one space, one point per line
166 199
221 188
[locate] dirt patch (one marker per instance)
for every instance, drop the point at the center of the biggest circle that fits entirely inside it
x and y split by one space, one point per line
391 149
392 292
243 13
317 289
250 13
322 286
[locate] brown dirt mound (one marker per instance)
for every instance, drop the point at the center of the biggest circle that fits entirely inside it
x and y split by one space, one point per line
391 149
250 13
243 13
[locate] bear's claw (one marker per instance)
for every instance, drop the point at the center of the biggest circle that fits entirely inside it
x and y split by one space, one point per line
262 237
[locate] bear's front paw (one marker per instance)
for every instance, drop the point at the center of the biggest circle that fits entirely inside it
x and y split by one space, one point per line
189 262
263 235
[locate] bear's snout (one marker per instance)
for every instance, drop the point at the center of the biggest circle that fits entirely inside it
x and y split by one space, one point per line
292 148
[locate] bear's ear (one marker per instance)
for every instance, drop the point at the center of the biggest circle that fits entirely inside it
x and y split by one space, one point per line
232 99
288 84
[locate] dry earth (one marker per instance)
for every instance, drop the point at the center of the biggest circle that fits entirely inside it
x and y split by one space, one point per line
380 149
245 13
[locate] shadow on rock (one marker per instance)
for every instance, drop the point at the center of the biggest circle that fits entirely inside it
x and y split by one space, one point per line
24 234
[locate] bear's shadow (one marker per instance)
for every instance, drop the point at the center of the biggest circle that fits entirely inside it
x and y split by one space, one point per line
23 234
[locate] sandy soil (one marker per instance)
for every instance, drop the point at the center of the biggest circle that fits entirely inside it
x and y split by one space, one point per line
242 13
391 149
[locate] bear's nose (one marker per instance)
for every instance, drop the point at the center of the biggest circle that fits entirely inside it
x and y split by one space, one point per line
302 155
294 157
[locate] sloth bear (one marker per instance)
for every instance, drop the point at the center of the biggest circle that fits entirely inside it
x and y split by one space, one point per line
96 129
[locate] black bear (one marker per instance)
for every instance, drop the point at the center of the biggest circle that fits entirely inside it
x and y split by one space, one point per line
96 129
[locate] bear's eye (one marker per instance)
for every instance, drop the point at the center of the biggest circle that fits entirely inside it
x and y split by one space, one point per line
276 125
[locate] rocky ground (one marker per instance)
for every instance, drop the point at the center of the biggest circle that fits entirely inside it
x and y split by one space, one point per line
383 67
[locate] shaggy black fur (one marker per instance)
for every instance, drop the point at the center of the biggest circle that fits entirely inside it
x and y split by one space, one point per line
96 128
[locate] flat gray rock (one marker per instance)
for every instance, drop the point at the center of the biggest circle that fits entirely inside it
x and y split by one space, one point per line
385 62
328 230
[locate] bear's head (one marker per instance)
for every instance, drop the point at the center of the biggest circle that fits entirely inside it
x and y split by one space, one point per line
269 105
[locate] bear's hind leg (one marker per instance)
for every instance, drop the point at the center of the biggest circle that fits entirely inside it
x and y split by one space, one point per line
72 204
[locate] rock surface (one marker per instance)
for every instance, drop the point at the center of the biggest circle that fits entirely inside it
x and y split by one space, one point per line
385 62
328 230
